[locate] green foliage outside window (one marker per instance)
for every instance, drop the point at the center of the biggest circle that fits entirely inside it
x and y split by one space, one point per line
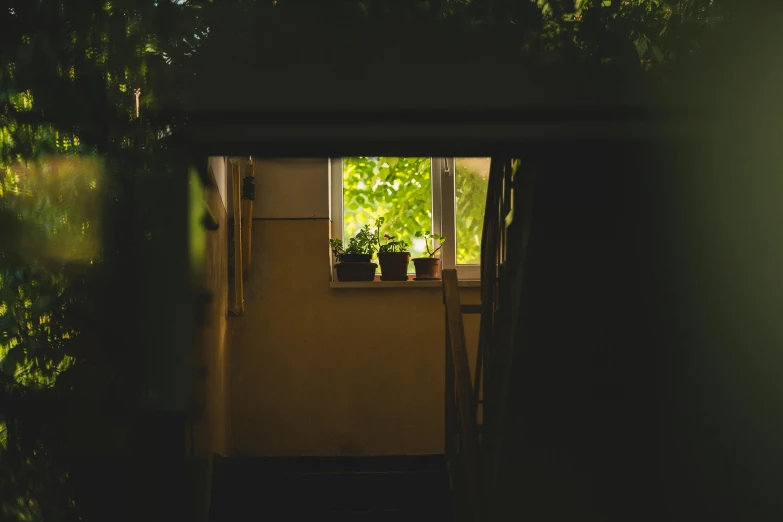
400 190
396 189
471 178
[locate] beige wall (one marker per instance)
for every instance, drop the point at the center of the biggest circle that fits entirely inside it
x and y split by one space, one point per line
291 188
219 168
209 430
320 371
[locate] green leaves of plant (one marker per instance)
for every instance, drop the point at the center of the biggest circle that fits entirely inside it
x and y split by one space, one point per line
641 46
395 190
337 247
364 242
394 245
429 239
407 209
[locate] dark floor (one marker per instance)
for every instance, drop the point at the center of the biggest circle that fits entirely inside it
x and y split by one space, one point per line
333 488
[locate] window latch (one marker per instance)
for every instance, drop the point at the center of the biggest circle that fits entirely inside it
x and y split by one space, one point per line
446 170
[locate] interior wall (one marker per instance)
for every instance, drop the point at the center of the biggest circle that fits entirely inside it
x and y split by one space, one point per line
218 165
320 371
212 429
209 431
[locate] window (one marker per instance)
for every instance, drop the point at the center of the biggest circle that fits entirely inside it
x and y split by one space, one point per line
444 195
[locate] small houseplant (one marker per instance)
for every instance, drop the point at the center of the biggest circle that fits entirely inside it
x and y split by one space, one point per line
393 255
354 261
428 268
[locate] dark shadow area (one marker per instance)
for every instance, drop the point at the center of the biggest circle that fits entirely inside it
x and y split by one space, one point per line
337 488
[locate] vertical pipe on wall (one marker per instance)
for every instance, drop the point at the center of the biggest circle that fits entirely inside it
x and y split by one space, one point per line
248 196
239 305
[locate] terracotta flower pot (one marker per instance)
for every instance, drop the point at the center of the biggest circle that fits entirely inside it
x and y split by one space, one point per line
394 265
427 268
355 271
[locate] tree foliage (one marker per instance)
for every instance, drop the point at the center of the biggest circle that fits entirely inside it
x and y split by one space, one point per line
400 191
396 189
471 181
49 258
625 34
72 149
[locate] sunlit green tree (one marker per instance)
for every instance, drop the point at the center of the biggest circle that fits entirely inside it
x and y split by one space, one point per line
471 182
397 189
81 84
400 190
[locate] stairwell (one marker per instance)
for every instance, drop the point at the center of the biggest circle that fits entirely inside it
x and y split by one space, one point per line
331 488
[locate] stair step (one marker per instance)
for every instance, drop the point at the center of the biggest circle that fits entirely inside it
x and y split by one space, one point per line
336 490
337 464
331 489
263 515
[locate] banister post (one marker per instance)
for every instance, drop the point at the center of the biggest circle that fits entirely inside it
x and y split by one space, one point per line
465 400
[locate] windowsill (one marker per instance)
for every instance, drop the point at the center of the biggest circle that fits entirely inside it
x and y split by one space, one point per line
401 284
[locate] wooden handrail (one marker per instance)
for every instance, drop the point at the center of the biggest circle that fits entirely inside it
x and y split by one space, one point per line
472 309
466 400
504 246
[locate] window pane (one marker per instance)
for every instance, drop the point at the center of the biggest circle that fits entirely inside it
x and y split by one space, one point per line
471 179
398 189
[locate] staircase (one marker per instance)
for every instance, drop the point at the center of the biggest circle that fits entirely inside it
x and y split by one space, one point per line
331 488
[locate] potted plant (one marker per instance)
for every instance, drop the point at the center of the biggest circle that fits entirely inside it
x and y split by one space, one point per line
354 262
428 268
393 256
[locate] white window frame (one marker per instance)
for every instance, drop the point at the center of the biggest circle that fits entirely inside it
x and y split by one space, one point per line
444 220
